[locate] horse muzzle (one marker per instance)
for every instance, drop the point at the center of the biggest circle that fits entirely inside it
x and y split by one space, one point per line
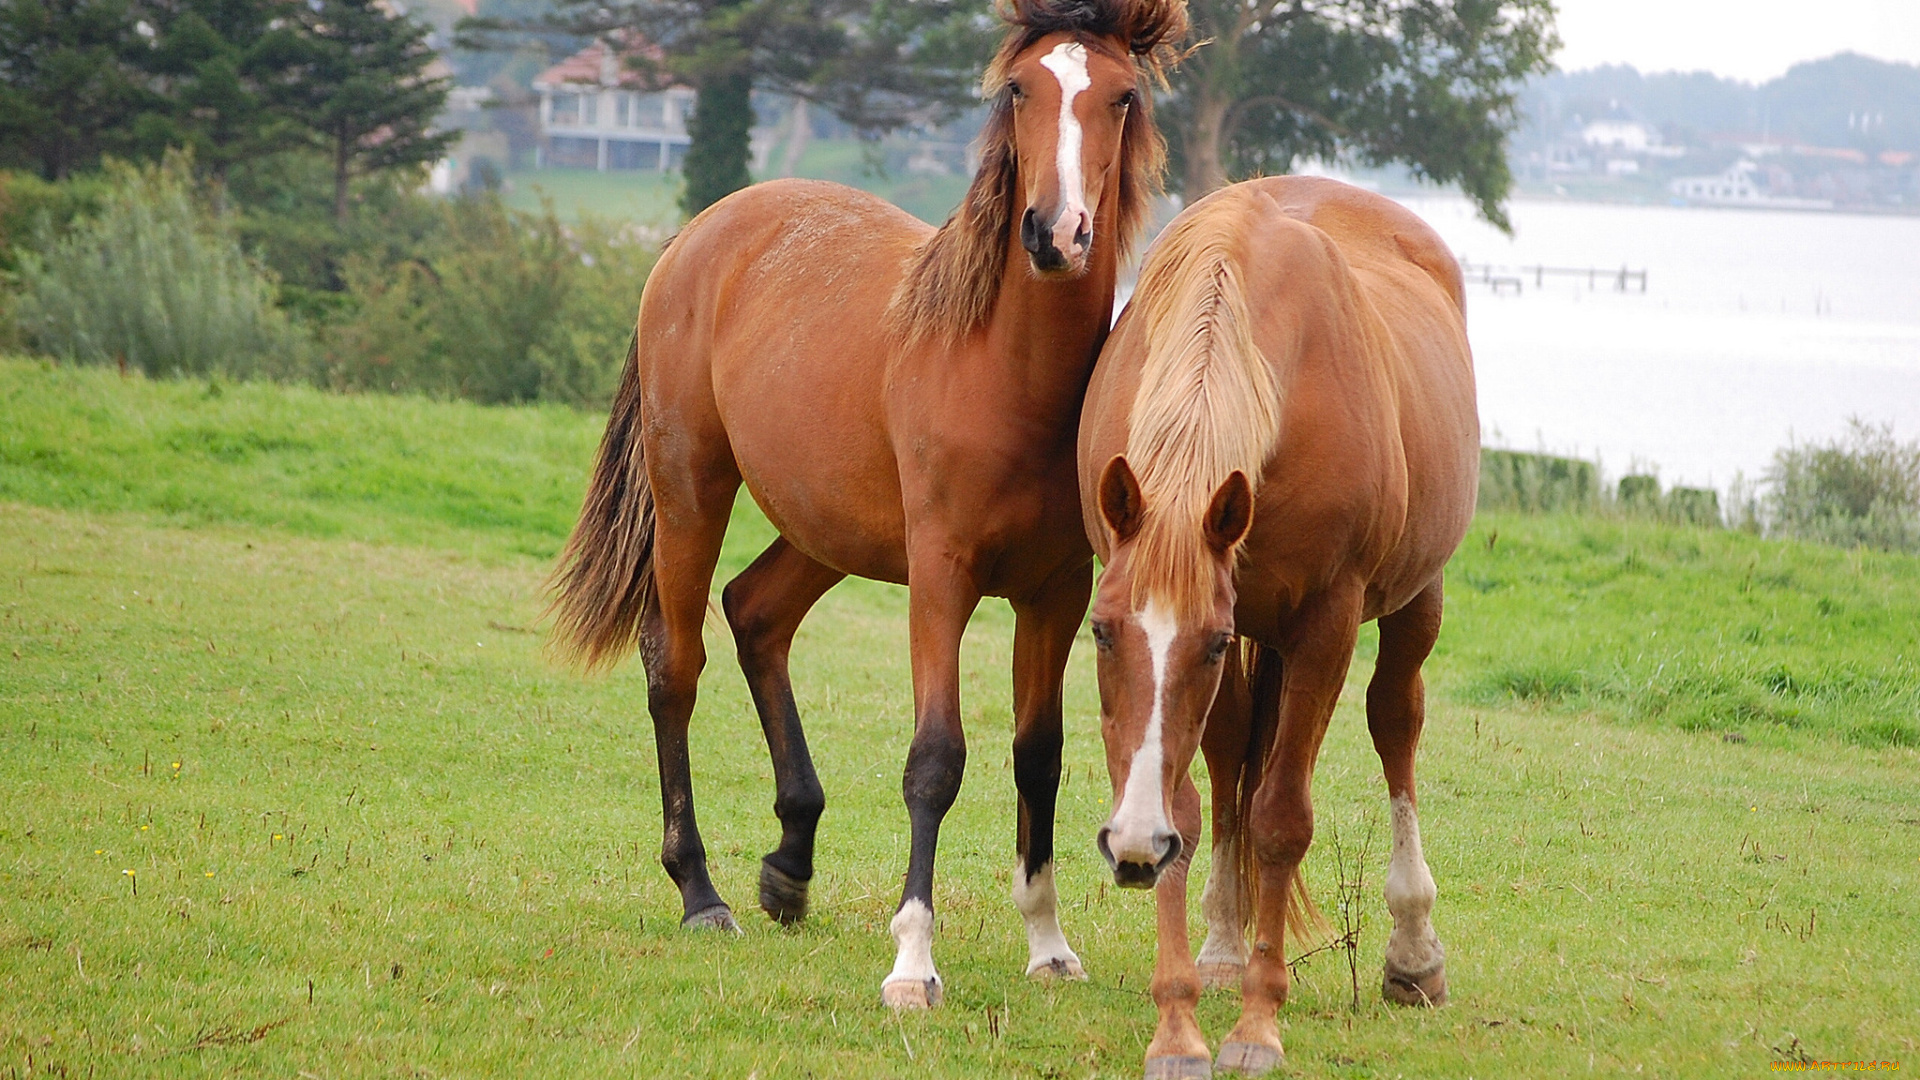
1138 863
1061 247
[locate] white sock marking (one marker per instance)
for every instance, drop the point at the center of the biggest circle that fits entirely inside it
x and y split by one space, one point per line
1141 814
1412 947
913 935
1220 902
1039 907
1068 62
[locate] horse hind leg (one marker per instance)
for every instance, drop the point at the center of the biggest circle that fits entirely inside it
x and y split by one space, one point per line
1279 820
764 608
691 522
1223 956
1043 635
1415 968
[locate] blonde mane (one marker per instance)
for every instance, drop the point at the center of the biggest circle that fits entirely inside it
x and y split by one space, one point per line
950 287
1208 404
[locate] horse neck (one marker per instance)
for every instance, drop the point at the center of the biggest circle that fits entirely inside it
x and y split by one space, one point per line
1048 333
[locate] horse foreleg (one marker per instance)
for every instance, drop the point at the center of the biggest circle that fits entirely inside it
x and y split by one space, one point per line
1314 667
1043 633
1179 1049
1223 956
940 600
764 607
1415 970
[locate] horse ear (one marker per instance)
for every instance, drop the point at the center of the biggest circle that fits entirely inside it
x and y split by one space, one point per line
1230 513
1120 502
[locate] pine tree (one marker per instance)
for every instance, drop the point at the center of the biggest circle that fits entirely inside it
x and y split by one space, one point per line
208 59
70 82
361 80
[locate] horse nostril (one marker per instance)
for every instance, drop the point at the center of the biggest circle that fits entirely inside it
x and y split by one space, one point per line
1083 236
1100 840
1170 844
1030 236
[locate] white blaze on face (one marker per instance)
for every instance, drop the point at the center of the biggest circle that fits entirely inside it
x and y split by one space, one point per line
1068 62
1141 815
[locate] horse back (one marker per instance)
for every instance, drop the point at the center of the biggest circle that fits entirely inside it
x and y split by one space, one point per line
1376 468
1411 314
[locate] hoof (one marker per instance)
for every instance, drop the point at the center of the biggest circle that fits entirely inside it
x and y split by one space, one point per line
1427 989
1057 968
904 994
1248 1059
782 896
717 917
1221 976
1179 1068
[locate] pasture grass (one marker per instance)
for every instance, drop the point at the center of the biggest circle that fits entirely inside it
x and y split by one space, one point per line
652 199
372 832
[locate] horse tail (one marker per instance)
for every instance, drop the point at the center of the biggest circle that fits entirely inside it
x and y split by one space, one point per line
604 581
1304 920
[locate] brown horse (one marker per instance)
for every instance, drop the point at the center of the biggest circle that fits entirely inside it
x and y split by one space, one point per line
901 403
1280 442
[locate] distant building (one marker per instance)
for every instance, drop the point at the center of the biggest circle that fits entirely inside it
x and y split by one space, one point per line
1737 187
1628 135
596 112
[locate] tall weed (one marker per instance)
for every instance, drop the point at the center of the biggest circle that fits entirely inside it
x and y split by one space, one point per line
156 282
1862 489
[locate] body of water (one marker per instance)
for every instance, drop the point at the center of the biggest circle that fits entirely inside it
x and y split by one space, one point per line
1757 327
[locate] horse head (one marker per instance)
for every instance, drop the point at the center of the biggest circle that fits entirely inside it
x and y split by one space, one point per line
1161 641
1071 124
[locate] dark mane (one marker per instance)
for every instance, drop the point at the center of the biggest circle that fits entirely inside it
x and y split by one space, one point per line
950 288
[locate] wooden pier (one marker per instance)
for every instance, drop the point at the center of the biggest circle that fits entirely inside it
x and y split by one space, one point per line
1502 278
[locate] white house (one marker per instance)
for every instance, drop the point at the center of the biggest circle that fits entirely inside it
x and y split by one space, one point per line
1628 135
598 113
1736 187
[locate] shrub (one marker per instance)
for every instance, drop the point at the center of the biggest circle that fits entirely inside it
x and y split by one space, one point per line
1538 483
1860 489
30 206
500 306
156 282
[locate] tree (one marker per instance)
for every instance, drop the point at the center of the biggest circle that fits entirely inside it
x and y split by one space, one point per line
360 80
876 64
1431 84
70 82
209 59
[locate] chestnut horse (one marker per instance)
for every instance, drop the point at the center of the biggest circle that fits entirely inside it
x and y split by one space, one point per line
901 402
1280 442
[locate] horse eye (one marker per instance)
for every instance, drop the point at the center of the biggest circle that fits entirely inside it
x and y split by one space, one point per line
1217 648
1102 637
1014 90
1126 99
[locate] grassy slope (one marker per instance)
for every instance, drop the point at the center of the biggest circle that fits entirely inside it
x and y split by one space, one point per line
400 804
398 470
653 198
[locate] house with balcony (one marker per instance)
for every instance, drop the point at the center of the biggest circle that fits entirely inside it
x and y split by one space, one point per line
596 112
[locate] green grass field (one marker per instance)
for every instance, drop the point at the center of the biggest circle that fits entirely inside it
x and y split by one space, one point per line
288 789
652 199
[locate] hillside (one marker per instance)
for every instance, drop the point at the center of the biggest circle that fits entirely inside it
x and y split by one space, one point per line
1630 619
